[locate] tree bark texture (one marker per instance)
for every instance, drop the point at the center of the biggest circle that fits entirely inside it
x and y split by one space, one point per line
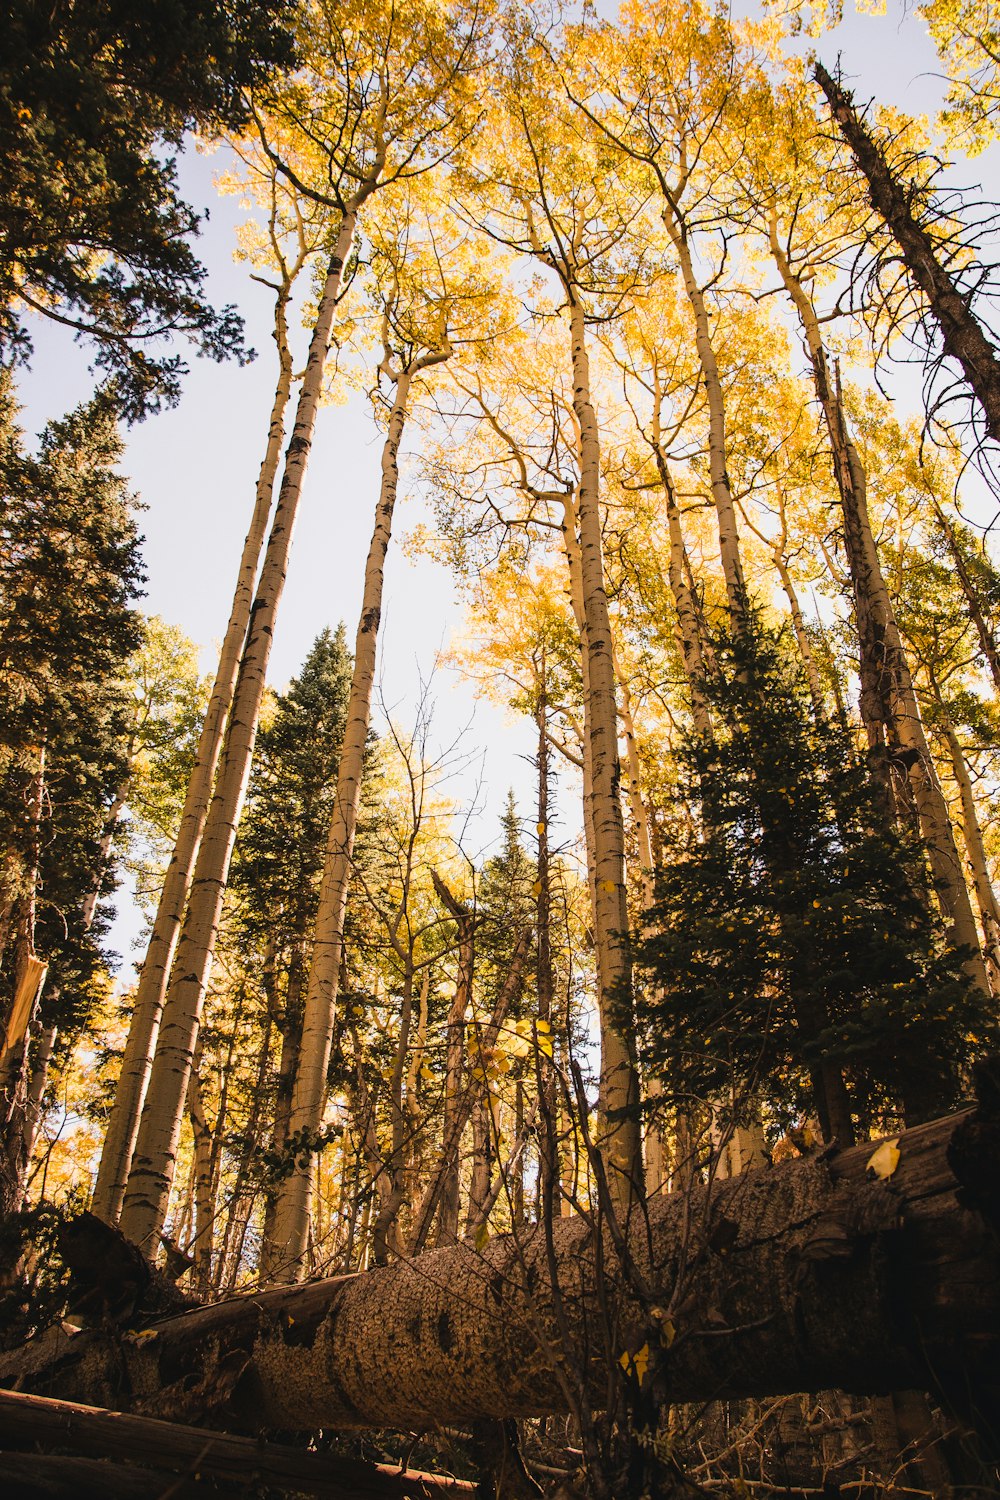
964 337
800 1277
148 1189
619 1079
241 1461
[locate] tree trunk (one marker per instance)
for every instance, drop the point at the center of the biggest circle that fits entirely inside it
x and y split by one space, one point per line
19 1012
799 1277
973 600
216 1456
898 745
986 899
309 1093
722 495
148 1189
458 1116
123 1122
619 1090
689 624
964 337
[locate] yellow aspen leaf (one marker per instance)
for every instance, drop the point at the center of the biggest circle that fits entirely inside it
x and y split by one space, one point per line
482 1235
637 1363
541 827
885 1160
609 887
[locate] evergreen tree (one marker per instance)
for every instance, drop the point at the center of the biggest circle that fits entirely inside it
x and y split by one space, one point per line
280 851
794 945
69 573
506 905
92 230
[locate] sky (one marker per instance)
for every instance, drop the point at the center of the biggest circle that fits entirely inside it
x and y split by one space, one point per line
195 469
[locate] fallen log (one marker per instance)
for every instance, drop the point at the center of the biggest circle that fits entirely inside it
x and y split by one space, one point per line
27 1420
808 1275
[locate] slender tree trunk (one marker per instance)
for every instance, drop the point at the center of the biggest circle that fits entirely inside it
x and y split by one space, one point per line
458 1118
964 337
454 1106
973 601
986 899
123 1123
204 1198
722 495
689 622
148 1187
619 1091
888 702
309 1094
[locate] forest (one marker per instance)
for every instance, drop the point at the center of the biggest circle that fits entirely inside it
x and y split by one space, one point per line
648 1144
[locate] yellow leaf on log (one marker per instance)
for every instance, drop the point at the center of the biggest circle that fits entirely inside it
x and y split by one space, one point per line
885 1160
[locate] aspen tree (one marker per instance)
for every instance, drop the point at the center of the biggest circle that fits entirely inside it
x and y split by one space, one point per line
538 201
380 89
284 220
421 299
889 706
674 70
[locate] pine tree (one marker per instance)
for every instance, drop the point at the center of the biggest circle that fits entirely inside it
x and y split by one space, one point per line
795 949
69 574
279 853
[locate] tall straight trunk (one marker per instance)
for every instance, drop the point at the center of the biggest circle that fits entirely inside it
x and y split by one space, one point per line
148 1189
965 339
689 622
888 702
454 1071
385 1235
123 1122
972 833
799 630
973 601
722 495
619 1092
458 1118
202 1241
569 529
241 1200
309 1093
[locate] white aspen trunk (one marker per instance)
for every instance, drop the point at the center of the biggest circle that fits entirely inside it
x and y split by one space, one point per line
148 1189
309 1093
123 1122
574 566
202 1241
799 628
619 1136
986 899
973 602
729 541
895 713
688 617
